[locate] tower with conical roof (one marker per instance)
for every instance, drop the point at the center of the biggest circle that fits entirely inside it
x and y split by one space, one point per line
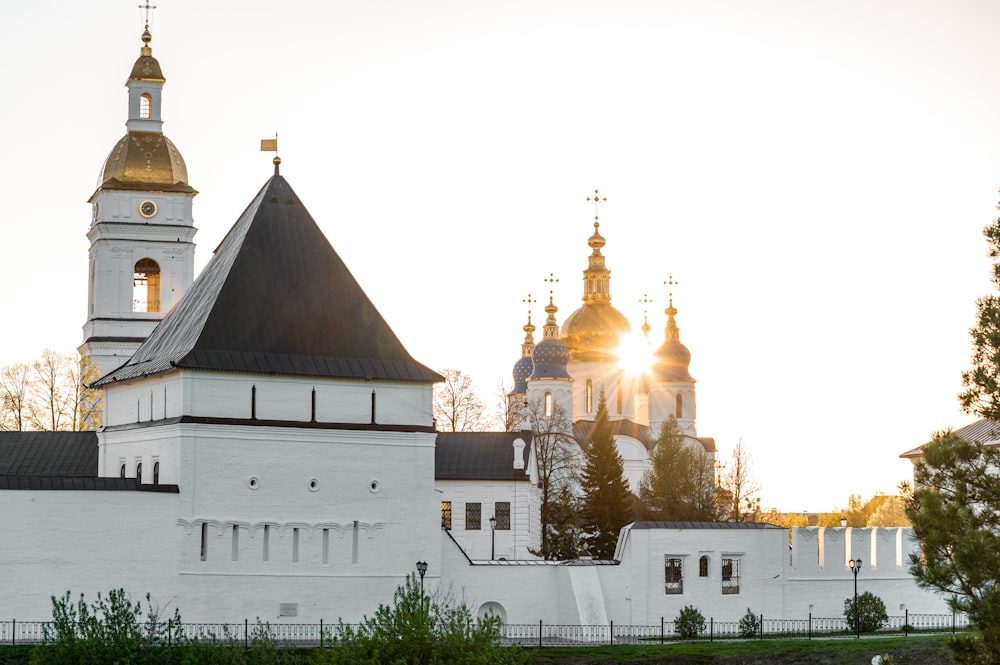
671 386
142 231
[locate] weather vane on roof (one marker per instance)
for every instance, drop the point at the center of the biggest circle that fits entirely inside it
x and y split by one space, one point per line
597 201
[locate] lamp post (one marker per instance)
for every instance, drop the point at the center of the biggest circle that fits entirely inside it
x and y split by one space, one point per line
422 569
855 565
493 537
843 521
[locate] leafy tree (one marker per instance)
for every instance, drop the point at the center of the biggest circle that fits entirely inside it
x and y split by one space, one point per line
871 614
15 394
891 512
981 394
679 485
417 628
51 393
689 623
507 411
607 502
556 456
955 511
457 406
740 486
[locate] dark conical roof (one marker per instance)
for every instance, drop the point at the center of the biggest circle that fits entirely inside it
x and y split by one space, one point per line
276 299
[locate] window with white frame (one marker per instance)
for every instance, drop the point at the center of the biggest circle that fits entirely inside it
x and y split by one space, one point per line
673 575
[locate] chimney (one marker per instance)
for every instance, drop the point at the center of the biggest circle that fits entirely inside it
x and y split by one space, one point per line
519 454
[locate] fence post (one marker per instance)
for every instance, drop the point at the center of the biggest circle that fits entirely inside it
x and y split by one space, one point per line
246 634
612 633
170 632
661 630
13 632
810 633
906 623
711 629
539 633
761 625
320 633
953 621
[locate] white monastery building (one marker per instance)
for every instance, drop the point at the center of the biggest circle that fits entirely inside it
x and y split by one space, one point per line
268 448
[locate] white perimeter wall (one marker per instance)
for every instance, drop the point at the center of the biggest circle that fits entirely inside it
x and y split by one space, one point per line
85 542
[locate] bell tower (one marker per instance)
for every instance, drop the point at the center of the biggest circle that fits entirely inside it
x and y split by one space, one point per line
142 232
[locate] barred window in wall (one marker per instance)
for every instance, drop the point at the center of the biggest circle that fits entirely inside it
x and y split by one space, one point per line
473 514
674 576
730 576
502 513
446 514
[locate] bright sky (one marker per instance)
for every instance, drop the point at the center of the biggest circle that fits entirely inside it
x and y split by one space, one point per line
816 176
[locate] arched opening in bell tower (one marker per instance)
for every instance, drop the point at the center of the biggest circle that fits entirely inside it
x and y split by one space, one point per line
145 106
146 286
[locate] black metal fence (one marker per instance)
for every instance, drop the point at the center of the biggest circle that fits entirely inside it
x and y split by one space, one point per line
538 634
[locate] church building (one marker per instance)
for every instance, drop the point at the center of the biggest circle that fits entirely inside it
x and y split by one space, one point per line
268 448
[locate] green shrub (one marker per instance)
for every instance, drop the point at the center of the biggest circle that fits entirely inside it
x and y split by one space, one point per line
109 630
419 629
871 613
749 624
689 623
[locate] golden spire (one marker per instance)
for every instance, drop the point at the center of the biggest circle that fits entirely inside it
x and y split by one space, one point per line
551 328
146 36
645 300
529 329
672 332
596 278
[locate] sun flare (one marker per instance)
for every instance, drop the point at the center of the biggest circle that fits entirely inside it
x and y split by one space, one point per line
635 354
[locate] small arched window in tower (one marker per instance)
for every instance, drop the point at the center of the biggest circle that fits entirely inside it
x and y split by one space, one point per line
703 566
590 395
548 405
138 472
146 286
679 406
121 471
145 106
156 472
621 397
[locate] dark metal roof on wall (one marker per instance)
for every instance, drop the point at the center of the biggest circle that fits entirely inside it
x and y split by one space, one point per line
652 524
478 455
982 430
276 299
66 454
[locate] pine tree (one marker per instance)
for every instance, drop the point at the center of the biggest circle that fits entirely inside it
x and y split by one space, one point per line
607 502
981 395
680 483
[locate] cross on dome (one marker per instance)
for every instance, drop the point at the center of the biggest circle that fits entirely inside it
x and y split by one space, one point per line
597 201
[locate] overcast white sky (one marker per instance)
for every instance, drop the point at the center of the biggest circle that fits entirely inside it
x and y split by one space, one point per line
815 174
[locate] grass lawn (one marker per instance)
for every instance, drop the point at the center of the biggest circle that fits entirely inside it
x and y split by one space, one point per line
922 650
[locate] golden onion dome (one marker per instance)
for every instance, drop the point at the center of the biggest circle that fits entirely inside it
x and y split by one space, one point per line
594 332
145 160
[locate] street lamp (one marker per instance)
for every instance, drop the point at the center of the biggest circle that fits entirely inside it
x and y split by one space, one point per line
493 537
422 569
855 565
843 521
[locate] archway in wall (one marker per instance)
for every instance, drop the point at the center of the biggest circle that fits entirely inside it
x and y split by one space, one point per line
146 286
493 608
